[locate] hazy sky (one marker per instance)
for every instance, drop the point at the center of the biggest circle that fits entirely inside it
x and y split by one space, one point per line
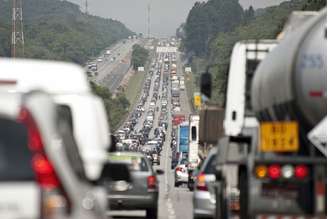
166 15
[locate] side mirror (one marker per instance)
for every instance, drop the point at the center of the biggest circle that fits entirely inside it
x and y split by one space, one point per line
159 172
206 84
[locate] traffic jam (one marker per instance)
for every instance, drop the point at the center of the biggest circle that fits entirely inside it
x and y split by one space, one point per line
262 155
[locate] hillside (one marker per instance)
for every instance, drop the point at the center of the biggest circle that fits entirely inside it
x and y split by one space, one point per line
58 30
260 24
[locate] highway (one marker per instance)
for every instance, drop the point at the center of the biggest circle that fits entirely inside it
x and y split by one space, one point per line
174 202
111 72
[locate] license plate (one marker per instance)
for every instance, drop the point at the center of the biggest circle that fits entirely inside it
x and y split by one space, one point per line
279 137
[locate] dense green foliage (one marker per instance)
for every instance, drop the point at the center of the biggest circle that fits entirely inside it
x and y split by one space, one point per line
58 30
139 56
260 24
206 19
116 108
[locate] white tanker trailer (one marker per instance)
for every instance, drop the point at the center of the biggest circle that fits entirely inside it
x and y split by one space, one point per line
287 173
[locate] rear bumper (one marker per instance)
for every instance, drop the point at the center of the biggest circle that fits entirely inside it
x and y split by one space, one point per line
131 202
181 178
204 207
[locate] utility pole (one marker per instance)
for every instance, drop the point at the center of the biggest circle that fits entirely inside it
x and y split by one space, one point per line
17 33
148 19
86 7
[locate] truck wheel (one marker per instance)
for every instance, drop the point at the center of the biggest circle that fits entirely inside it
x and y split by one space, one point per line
243 198
151 213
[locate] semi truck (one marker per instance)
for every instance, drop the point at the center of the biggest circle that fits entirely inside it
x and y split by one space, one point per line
268 165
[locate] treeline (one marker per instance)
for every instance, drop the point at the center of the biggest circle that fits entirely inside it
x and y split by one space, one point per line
116 107
58 30
139 56
215 47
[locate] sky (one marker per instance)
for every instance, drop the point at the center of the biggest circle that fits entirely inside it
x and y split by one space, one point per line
165 15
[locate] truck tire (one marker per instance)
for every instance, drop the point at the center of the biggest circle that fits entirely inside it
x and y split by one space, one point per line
243 198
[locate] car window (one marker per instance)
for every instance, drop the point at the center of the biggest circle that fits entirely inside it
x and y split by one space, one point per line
15 156
135 163
210 166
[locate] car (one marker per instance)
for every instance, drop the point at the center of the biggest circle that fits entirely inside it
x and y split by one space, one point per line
155 159
138 189
204 191
42 173
181 172
176 109
99 59
70 88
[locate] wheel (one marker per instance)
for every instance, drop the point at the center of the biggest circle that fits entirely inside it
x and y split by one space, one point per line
176 184
151 213
243 188
221 202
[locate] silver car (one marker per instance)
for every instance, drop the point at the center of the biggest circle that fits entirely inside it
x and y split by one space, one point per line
204 192
135 189
41 171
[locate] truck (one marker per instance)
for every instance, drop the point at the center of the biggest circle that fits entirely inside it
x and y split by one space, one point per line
193 140
289 171
183 138
267 166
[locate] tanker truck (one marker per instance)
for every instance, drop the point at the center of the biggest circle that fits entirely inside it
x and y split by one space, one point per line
286 174
271 163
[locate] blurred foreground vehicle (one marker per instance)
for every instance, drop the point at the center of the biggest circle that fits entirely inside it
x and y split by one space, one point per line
41 171
204 188
68 85
135 187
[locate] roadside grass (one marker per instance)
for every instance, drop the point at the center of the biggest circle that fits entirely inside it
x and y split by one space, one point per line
134 87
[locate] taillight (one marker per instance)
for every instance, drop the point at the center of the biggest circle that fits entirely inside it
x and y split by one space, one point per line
301 171
180 169
201 182
274 171
286 171
261 171
54 198
45 172
151 182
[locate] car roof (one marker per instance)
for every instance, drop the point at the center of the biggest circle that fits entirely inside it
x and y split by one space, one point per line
50 76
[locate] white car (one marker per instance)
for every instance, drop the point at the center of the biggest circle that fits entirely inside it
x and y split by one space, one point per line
68 85
181 173
152 104
99 59
176 109
42 173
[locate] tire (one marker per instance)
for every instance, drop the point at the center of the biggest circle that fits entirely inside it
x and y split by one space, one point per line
151 213
243 188
176 184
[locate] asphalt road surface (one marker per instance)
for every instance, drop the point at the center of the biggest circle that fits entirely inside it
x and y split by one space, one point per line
111 73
